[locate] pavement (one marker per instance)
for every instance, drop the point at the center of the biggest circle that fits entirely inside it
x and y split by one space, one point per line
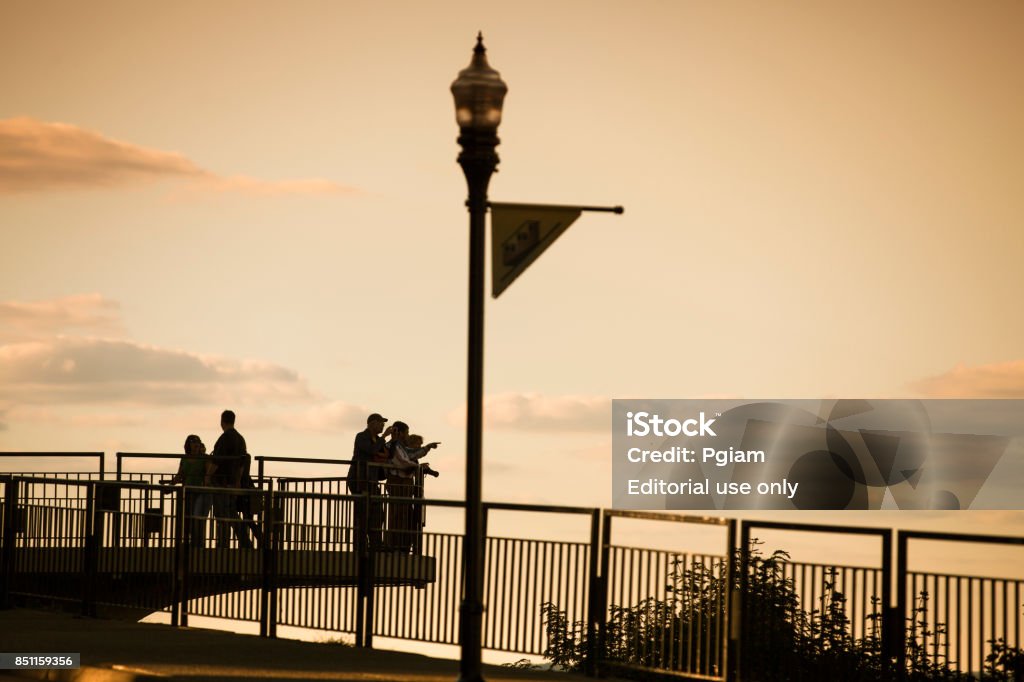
120 651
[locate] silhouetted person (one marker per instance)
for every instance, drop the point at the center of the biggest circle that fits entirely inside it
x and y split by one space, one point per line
228 458
416 441
193 472
405 454
249 504
369 449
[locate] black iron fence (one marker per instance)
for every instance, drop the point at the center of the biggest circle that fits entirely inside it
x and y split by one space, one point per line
309 555
964 623
662 611
317 560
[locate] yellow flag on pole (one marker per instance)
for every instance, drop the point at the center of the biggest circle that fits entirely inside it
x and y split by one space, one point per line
520 233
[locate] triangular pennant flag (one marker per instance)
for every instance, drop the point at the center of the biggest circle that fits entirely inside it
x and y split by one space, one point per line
520 233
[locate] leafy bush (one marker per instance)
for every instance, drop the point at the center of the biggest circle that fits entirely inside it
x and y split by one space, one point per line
1004 662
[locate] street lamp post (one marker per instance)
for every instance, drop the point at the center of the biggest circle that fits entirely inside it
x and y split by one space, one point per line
479 93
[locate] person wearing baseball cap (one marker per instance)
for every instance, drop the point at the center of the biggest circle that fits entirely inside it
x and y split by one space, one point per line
369 448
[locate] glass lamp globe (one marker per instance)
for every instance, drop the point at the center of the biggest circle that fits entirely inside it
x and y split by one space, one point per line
479 93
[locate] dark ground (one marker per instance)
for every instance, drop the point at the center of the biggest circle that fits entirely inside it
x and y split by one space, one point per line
118 651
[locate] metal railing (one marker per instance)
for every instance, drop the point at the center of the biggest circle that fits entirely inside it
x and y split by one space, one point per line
521 575
131 547
958 621
791 610
662 611
338 562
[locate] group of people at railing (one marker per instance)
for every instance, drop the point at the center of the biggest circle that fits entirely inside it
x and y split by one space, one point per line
395 461
383 460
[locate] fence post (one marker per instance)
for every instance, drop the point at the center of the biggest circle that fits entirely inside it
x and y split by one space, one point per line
744 617
268 598
276 531
91 552
602 590
371 556
417 517
484 508
594 614
732 627
264 559
10 536
188 544
361 521
179 599
894 627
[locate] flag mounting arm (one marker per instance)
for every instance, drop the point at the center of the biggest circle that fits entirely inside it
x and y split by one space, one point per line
603 209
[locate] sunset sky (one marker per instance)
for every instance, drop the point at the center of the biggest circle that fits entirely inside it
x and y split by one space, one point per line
256 206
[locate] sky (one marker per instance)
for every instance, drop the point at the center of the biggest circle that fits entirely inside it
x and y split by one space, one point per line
256 206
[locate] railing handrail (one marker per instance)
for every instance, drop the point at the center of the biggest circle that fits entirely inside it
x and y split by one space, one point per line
179 455
964 576
50 454
337 497
515 506
121 456
152 455
818 564
819 527
257 458
666 516
266 458
100 456
961 537
309 478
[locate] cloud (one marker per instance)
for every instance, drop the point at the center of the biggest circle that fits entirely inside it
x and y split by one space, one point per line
39 156
535 412
52 374
35 414
596 452
243 184
106 420
331 417
1001 380
91 370
91 313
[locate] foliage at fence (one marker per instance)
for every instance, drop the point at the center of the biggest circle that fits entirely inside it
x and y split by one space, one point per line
783 640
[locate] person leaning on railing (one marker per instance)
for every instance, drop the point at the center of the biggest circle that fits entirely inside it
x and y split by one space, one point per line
193 472
401 482
415 442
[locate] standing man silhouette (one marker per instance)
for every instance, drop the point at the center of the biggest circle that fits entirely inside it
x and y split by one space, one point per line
228 459
369 449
